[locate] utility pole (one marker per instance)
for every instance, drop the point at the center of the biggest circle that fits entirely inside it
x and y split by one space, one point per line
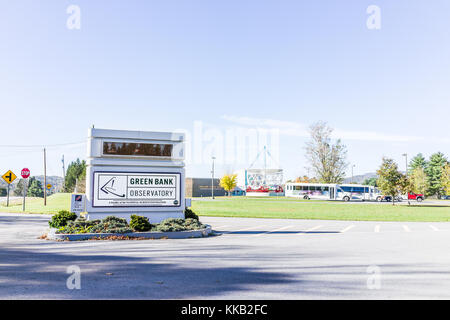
64 173
265 166
406 159
352 171
212 178
45 179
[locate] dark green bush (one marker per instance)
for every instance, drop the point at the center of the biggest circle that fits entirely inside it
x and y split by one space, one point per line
80 225
172 225
111 224
140 223
188 213
62 218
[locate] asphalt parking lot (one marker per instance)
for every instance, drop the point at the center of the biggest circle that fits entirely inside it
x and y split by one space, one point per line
249 259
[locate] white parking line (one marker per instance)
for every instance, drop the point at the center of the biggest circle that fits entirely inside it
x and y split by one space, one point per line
272 231
313 228
219 227
348 228
245 229
377 228
406 228
434 228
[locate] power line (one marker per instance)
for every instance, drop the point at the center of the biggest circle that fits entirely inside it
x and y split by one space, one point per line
41 145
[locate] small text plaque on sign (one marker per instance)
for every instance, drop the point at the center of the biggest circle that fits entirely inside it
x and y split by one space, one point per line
113 189
77 203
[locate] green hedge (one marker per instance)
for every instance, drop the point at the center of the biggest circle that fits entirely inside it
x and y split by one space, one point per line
61 219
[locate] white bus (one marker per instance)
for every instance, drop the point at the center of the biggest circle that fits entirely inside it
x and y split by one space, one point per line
327 191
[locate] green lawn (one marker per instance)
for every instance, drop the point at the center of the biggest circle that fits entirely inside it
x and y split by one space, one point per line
55 202
290 208
273 207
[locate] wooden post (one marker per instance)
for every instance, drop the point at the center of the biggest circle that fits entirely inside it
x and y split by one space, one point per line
45 179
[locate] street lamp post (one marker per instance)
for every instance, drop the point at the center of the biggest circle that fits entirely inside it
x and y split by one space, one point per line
212 177
352 171
406 162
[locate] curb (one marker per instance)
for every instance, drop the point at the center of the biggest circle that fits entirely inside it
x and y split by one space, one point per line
148 235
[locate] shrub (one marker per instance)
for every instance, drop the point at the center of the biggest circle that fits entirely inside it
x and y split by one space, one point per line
193 224
80 225
139 223
111 224
61 218
172 225
188 213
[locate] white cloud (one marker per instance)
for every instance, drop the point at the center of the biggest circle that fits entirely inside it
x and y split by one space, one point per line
285 127
296 129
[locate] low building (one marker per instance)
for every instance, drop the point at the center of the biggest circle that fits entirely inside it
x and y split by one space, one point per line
201 187
238 192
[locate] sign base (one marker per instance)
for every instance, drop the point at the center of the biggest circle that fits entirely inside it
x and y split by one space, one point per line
153 217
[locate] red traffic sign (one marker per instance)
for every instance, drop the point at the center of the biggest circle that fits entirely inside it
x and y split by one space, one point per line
25 173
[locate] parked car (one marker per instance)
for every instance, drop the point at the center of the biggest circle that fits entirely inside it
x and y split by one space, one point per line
384 198
413 196
445 197
410 196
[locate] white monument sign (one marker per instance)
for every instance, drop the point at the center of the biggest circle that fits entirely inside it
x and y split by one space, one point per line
135 172
136 189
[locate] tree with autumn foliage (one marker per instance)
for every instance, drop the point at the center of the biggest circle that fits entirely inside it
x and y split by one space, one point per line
419 181
305 179
228 182
327 159
445 180
390 180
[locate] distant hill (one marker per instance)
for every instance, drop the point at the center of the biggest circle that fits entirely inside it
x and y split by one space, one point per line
360 178
55 181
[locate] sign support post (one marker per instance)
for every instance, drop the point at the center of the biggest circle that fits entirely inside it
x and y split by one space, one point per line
25 185
25 174
9 177
7 197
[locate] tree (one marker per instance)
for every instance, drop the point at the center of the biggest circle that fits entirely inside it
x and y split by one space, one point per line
305 179
417 162
434 171
35 188
18 190
228 182
75 171
370 182
390 180
418 180
81 185
445 179
327 160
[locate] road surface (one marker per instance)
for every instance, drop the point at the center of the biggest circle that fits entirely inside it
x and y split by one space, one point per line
251 259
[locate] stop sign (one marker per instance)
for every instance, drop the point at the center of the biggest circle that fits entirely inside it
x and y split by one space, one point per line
25 173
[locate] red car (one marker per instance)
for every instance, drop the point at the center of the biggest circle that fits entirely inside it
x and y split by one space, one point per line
409 196
415 196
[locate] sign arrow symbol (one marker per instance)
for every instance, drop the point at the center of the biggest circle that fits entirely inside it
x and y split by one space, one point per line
108 189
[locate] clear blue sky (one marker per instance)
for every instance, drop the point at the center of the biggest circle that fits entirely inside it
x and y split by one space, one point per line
161 65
